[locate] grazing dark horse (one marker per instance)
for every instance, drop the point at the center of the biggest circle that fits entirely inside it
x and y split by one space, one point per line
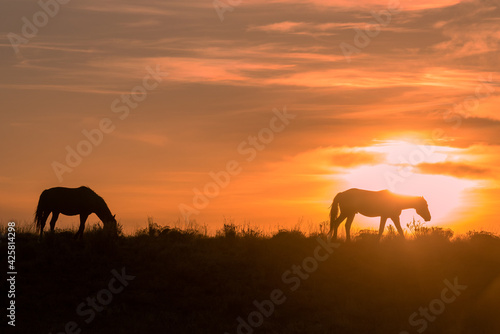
81 201
383 204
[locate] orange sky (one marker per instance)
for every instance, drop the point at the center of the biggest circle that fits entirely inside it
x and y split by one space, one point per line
413 107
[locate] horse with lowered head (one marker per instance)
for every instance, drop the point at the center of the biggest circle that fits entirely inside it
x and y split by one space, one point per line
81 201
383 204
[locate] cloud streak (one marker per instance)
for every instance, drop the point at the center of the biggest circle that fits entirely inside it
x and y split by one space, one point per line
455 169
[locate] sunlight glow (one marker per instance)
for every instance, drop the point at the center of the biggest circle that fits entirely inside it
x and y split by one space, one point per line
400 174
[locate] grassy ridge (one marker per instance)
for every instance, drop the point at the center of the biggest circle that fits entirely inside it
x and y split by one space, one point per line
186 282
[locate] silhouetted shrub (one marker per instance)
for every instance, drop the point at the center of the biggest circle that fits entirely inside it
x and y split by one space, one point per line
251 232
283 233
419 230
481 236
367 235
153 229
436 233
228 231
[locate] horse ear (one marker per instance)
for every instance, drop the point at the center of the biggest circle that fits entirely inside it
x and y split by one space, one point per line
114 216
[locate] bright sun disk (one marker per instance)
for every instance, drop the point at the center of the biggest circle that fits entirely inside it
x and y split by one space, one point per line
400 174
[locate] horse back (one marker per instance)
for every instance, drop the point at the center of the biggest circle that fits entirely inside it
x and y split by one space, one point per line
69 201
368 203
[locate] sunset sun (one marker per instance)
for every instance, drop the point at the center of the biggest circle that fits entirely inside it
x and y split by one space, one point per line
405 168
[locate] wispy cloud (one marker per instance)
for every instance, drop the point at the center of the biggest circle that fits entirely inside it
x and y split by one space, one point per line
459 170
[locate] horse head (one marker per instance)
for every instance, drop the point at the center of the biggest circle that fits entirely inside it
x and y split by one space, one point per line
111 224
423 209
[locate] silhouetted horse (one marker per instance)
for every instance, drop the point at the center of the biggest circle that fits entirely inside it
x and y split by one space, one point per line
81 201
383 204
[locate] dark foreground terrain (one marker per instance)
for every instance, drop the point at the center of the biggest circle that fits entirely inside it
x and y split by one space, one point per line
171 281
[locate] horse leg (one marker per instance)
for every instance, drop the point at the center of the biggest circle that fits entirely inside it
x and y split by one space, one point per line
42 222
335 225
395 219
83 219
348 227
55 215
383 220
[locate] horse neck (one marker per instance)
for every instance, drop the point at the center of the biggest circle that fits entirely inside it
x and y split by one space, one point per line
103 212
409 202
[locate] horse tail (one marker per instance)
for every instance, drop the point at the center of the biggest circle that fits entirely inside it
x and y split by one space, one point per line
40 210
334 209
